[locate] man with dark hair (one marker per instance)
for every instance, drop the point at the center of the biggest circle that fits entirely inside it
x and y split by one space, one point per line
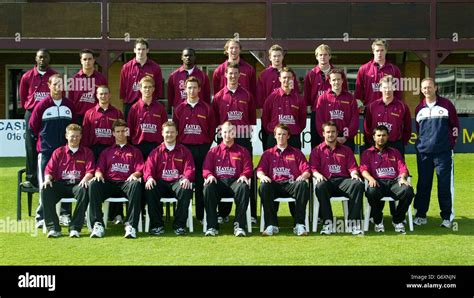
67 175
438 128
283 172
247 79
84 85
283 106
134 70
387 174
169 171
33 89
176 88
335 169
118 173
196 126
339 106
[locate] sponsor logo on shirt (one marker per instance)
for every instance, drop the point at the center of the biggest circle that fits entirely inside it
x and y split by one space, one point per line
243 102
340 155
395 114
286 119
103 132
290 158
225 171
388 125
334 169
235 158
136 86
156 115
178 159
336 114
87 97
385 172
120 167
170 174
80 161
192 129
375 87
295 107
345 102
71 175
39 96
201 116
282 171
148 127
234 115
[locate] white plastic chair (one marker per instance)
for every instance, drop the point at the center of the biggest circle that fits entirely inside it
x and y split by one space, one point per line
284 200
189 221
230 200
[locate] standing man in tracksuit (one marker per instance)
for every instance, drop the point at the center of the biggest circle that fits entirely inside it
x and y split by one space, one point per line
438 128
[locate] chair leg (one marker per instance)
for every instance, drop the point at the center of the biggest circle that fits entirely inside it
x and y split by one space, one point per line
140 222
315 214
262 220
367 215
204 222
147 220
30 202
307 218
410 218
106 213
249 220
345 205
190 217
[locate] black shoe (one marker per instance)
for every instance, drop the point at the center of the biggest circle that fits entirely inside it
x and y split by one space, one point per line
157 231
180 232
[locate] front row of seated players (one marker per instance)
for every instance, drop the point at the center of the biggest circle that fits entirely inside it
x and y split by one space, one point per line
169 171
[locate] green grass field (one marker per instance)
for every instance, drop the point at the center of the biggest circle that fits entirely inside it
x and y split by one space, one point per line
427 245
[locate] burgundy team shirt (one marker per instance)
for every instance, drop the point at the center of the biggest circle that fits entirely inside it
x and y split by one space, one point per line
70 167
339 162
342 109
97 125
316 83
34 87
283 166
368 78
82 93
131 74
170 166
177 89
117 163
195 125
227 162
289 109
395 116
145 122
269 81
385 164
247 77
237 107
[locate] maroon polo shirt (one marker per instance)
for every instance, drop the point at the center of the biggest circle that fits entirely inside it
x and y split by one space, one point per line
339 162
283 166
83 90
289 109
131 74
237 107
227 162
97 125
342 109
145 122
247 77
177 89
385 164
170 166
195 125
269 81
118 163
70 167
368 78
34 87
316 83
395 116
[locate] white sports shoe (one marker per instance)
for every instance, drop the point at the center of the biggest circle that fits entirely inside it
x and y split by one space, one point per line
446 224
98 231
399 227
270 231
118 220
300 230
326 230
379 228
357 231
74 234
130 232
211 232
239 232
420 221
54 234
64 220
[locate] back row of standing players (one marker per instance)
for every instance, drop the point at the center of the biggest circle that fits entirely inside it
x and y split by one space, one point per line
237 98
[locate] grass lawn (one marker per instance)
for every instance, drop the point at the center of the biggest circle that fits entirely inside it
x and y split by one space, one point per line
427 245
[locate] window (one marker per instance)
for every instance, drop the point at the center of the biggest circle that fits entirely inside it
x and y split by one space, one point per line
457 84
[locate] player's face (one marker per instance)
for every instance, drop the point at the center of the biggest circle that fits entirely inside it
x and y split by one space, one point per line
169 134
379 53
335 79
103 95
286 80
232 75
233 51
330 134
141 51
42 60
323 57
228 133
276 58
428 89
380 138
188 57
192 90
56 86
87 61
281 136
387 90
73 138
147 89
120 133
